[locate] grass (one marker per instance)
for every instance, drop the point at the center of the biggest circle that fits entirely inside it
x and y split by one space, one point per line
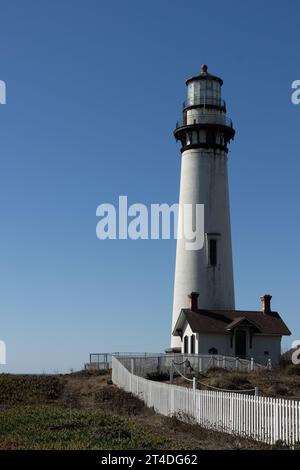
29 388
283 382
49 427
86 411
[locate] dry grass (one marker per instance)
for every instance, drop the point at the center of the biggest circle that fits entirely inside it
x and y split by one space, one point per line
87 411
281 383
84 410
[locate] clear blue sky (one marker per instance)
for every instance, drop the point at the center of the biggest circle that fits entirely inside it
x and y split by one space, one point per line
94 89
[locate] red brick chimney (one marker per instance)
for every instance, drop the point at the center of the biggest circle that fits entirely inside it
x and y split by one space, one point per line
266 303
193 296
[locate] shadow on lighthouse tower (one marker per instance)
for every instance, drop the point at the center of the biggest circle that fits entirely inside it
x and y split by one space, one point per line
204 304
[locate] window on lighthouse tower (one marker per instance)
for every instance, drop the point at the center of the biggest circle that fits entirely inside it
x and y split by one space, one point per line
212 249
212 252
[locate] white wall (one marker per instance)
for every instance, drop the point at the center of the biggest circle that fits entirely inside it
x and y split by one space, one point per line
204 342
204 180
222 342
187 331
262 343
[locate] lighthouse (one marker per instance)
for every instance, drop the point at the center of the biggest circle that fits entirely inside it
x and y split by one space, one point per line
204 133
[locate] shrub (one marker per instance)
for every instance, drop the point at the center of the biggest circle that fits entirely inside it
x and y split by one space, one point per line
119 401
30 388
292 369
157 376
280 445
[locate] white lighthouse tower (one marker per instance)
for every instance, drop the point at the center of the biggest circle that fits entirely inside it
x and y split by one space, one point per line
204 133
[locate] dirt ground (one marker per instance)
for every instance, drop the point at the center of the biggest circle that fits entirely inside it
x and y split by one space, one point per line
91 410
93 391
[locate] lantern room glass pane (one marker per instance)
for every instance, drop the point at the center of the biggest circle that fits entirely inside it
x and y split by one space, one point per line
204 92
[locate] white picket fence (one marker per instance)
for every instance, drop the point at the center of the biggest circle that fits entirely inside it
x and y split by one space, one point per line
261 418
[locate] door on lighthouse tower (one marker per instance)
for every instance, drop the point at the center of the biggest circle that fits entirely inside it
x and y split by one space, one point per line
240 343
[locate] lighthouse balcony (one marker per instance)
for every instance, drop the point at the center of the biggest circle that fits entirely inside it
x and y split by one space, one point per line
209 119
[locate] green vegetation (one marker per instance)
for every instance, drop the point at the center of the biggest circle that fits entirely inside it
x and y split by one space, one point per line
158 376
29 388
48 427
84 410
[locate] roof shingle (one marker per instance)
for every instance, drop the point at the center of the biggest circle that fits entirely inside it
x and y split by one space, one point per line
218 321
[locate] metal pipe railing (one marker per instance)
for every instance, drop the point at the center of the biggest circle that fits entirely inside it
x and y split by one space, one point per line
204 118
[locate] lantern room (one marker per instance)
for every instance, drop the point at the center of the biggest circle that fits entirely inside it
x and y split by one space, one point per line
204 90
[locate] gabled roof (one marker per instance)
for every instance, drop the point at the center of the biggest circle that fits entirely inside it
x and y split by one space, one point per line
222 321
241 321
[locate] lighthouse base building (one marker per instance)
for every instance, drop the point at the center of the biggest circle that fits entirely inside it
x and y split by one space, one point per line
237 333
204 319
